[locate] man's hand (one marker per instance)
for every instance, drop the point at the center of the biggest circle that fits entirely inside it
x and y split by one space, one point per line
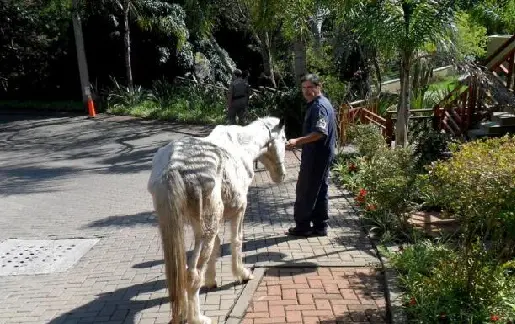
291 143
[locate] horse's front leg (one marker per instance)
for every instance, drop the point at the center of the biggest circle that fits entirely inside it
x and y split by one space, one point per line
240 272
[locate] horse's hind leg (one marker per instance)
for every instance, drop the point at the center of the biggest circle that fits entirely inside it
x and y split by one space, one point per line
196 274
240 272
211 266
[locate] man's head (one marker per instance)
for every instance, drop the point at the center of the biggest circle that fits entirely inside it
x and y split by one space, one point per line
237 73
311 87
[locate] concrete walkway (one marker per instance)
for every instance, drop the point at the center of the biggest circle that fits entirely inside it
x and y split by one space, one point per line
79 179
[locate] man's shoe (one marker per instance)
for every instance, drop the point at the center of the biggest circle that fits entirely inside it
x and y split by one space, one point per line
320 232
294 231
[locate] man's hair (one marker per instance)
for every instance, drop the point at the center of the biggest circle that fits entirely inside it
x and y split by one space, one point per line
237 73
313 78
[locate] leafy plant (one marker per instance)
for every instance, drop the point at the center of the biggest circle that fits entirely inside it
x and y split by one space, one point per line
436 288
477 184
431 146
367 138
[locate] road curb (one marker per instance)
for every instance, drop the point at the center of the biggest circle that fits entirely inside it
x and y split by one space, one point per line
240 308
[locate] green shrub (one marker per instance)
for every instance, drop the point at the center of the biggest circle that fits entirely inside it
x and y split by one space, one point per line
387 191
436 289
367 138
477 185
431 146
184 102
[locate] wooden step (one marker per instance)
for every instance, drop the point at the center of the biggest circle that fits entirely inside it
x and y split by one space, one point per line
504 118
495 128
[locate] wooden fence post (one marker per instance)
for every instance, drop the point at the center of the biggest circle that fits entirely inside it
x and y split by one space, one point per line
344 123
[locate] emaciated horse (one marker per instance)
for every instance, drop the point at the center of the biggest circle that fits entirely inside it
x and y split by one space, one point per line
203 181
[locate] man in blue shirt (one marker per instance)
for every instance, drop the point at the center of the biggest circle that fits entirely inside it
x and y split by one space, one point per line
318 143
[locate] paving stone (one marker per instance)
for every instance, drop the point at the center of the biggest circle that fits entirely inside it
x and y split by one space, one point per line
77 178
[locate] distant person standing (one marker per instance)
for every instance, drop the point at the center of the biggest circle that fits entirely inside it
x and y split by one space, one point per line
238 99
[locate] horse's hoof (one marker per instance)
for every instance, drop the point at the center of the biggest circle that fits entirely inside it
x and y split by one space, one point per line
212 286
247 275
204 319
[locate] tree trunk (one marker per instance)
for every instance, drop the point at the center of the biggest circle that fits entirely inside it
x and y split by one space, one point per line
81 53
265 44
299 48
127 42
401 133
378 72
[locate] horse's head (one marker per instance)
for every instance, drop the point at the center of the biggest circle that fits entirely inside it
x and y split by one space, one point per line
273 153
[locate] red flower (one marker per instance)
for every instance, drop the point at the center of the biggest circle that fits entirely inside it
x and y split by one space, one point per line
362 192
352 167
494 318
412 301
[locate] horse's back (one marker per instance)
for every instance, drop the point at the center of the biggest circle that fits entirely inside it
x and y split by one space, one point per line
198 161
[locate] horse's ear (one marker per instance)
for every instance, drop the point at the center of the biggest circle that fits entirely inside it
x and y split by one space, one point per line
281 122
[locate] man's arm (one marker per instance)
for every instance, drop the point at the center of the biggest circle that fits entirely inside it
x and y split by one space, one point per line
311 137
319 126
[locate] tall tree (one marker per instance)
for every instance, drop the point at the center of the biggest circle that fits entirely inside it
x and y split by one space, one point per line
264 18
150 14
406 28
81 51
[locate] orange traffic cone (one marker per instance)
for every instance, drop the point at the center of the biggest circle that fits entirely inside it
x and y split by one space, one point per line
91 108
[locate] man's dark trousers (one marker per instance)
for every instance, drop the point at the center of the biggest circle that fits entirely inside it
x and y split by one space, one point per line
311 204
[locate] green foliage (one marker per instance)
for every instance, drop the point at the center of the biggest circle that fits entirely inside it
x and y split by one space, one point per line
477 185
334 89
382 179
367 138
30 39
497 16
431 146
434 277
168 18
189 103
472 36
407 25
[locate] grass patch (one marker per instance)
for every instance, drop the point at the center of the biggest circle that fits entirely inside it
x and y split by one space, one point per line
182 110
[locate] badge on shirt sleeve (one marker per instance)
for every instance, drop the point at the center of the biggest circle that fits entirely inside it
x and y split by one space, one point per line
321 123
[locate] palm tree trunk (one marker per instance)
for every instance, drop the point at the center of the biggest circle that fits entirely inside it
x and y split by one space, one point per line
127 43
401 134
81 53
299 49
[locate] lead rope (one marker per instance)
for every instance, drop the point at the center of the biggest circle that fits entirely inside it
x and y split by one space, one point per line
293 150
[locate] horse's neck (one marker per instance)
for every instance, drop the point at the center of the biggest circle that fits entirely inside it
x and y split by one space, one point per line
248 141
256 142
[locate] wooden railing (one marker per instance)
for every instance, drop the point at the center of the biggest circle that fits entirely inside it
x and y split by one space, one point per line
454 114
362 111
464 106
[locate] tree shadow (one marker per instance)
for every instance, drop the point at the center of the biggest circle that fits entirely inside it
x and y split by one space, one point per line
143 218
79 146
27 179
118 305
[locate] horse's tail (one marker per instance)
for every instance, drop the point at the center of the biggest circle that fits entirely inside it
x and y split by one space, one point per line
170 208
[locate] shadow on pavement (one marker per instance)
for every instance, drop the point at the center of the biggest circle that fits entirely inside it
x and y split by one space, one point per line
118 305
143 218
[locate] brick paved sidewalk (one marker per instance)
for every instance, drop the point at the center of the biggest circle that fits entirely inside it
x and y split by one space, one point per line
318 295
93 191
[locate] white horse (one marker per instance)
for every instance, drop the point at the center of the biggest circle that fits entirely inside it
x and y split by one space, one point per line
203 182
